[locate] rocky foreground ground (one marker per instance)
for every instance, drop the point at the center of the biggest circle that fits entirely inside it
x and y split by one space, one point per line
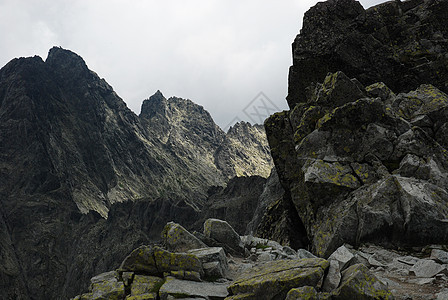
220 264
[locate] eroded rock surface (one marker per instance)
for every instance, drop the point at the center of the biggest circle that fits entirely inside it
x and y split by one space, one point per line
366 168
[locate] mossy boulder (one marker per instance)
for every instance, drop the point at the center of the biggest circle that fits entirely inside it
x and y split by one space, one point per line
168 261
147 296
177 238
273 280
142 284
358 283
155 261
214 261
303 293
140 260
110 289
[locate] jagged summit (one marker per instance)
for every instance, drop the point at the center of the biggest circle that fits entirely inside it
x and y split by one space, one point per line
155 104
57 56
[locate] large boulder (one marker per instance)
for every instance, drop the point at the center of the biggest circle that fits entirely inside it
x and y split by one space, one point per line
140 260
359 283
222 232
155 261
214 261
273 280
177 238
147 286
305 292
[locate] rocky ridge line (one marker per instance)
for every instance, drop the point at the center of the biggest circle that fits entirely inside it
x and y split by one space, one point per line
362 153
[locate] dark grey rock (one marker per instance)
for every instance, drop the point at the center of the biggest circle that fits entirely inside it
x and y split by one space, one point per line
222 232
191 289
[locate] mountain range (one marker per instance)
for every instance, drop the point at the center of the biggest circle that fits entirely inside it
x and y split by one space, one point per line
78 169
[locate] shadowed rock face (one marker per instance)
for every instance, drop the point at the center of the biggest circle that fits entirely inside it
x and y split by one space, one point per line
362 152
72 154
371 169
401 44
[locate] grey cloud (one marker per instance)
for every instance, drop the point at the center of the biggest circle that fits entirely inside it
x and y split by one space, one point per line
220 54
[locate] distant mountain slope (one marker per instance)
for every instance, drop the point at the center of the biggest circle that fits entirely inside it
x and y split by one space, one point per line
69 145
68 129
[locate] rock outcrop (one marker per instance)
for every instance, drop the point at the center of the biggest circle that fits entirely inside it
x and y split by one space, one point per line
73 154
362 152
400 43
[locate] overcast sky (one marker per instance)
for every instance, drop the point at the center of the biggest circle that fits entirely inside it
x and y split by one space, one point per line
219 53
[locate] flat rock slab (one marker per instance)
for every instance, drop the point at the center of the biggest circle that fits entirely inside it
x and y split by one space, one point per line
276 278
192 289
439 256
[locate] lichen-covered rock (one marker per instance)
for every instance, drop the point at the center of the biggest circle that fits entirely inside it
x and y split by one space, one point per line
303 293
156 261
110 289
351 147
214 261
148 296
140 260
178 239
185 275
355 161
145 285
222 232
168 261
273 280
358 283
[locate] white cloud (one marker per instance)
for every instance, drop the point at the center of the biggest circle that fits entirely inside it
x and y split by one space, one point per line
220 54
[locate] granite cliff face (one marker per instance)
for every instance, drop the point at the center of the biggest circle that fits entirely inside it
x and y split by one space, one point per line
362 153
72 154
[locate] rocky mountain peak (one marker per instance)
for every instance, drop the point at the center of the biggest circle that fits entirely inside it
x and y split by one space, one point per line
324 15
63 60
154 105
